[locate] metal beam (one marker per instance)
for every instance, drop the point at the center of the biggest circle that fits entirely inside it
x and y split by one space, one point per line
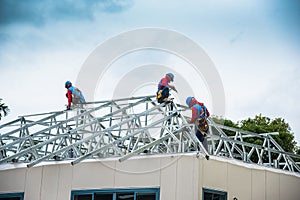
127 127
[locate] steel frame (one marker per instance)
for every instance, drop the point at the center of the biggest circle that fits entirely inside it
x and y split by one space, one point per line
126 127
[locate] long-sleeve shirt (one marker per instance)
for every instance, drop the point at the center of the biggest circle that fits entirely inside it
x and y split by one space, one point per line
197 110
76 94
163 83
69 95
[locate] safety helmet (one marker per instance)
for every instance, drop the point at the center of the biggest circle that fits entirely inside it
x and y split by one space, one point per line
67 84
188 101
171 76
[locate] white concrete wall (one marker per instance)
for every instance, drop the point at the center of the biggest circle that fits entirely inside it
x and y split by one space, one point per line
248 182
174 175
13 180
179 177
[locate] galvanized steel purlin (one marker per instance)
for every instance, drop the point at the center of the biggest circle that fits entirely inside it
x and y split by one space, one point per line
268 154
125 128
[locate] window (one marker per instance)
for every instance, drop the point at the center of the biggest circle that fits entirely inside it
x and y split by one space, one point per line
104 196
125 196
145 196
209 194
12 196
119 194
83 197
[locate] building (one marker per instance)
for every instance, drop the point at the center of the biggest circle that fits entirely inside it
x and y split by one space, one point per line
134 149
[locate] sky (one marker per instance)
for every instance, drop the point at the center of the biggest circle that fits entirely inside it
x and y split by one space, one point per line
253 45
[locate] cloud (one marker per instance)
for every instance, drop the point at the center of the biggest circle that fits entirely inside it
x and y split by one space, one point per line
47 41
39 12
113 6
19 11
287 12
5 37
237 37
286 15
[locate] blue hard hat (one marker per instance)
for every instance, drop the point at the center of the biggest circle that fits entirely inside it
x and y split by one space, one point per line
188 101
171 76
68 83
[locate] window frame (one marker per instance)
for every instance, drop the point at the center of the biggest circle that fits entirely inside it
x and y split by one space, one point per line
208 190
13 195
115 191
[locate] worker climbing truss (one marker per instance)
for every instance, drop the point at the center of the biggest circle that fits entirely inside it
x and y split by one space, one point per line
126 127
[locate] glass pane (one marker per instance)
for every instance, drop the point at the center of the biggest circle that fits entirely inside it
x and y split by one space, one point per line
214 196
222 197
103 197
208 196
83 197
146 196
125 196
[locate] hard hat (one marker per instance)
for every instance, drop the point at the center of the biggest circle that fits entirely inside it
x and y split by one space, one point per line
188 101
171 76
68 83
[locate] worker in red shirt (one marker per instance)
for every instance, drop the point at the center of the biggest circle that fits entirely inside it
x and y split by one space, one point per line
164 87
74 95
199 116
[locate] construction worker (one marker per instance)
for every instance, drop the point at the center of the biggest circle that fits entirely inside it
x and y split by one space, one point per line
199 117
74 95
164 87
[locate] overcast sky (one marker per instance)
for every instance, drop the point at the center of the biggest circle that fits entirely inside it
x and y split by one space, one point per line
253 44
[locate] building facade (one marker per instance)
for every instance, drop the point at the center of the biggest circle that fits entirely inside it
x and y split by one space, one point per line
158 177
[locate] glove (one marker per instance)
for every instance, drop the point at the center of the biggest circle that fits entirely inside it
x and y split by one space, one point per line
173 87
